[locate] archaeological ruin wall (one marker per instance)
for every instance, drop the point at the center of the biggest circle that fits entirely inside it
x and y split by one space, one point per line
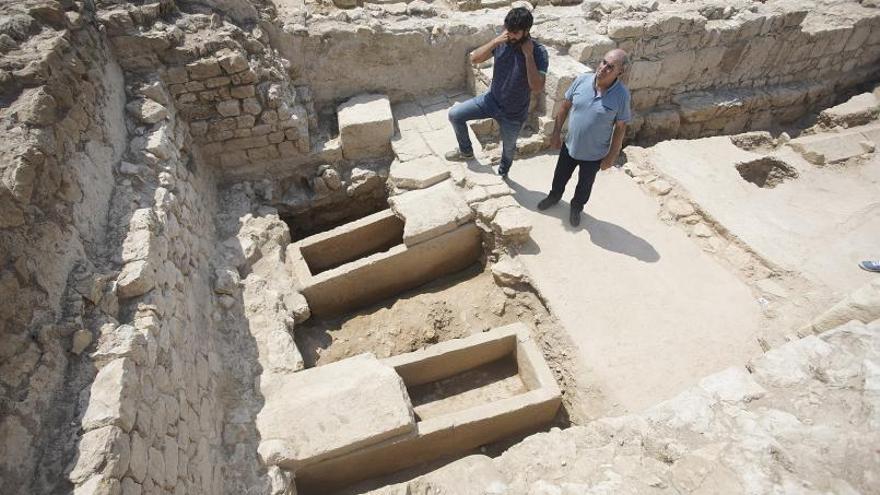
64 129
164 154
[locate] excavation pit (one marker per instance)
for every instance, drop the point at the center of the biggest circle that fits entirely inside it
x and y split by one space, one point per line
451 412
425 235
766 172
373 234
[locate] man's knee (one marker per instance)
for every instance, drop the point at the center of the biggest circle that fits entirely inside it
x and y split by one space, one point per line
455 115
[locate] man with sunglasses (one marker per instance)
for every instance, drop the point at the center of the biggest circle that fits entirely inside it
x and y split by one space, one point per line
600 109
519 70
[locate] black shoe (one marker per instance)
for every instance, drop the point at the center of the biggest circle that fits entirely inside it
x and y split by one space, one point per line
547 203
574 217
503 172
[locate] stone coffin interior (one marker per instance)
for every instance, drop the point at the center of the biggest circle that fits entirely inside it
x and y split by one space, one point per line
464 393
380 256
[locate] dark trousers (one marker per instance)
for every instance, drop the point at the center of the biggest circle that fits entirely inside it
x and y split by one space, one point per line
565 166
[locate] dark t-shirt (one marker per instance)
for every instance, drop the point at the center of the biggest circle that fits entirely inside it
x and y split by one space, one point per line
510 81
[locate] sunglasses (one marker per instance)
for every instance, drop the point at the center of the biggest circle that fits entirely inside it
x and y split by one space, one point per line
608 64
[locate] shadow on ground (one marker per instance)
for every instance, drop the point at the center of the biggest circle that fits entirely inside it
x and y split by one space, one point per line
605 235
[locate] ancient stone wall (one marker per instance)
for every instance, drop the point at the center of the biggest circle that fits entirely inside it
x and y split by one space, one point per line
696 77
227 83
340 60
62 118
110 371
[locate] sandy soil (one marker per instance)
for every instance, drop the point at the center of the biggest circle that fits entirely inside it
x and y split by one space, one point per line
456 306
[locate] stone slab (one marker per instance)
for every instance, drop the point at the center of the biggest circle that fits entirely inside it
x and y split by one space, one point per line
409 145
430 212
418 173
829 148
331 410
858 110
366 126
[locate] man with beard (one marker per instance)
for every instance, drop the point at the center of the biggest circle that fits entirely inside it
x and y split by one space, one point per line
519 69
600 109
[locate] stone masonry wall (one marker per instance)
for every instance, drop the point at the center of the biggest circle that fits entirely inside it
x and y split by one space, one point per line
696 77
110 371
151 421
230 86
61 111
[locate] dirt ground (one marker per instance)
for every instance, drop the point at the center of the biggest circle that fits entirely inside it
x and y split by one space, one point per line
453 307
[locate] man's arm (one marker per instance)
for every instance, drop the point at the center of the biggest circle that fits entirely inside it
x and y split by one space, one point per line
536 80
561 115
616 144
483 53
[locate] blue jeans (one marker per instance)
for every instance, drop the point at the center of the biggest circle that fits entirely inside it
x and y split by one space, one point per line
483 107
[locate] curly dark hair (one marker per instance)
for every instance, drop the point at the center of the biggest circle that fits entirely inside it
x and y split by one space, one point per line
518 19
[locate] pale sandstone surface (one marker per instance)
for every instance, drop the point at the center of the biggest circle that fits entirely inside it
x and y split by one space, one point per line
813 224
430 212
328 411
616 281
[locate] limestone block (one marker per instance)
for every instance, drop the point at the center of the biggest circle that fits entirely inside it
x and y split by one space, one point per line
81 340
138 463
170 452
99 484
871 134
430 212
204 69
36 107
105 449
625 28
112 399
512 224
675 69
660 187
365 126
156 466
146 110
176 75
734 384
509 271
159 143
330 410
251 106
297 306
139 245
284 356
418 173
229 108
137 278
488 207
130 487
593 48
644 74
679 208
858 110
792 363
827 148
409 146
226 281
560 74
863 304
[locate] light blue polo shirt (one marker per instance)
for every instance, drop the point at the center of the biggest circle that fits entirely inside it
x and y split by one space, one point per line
592 117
